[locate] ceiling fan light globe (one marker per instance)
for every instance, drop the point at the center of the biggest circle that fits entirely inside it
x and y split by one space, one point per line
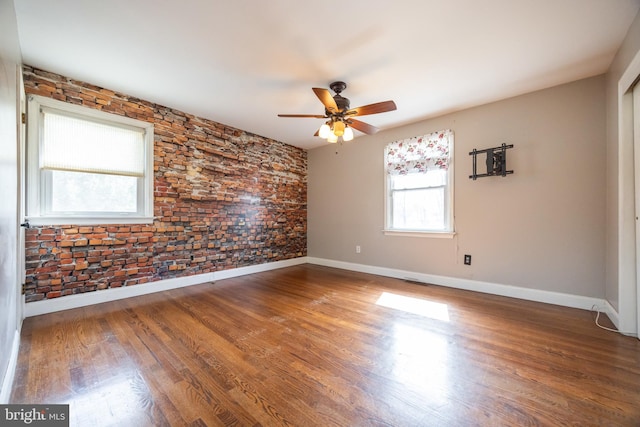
324 131
338 128
333 138
348 134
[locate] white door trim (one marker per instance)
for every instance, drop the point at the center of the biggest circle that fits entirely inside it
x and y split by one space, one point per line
627 295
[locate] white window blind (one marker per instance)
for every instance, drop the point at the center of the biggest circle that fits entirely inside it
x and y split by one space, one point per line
73 144
87 166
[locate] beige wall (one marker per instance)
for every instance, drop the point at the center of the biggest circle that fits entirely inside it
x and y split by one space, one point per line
542 227
629 48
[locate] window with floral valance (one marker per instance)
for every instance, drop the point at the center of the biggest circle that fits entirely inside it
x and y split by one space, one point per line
420 183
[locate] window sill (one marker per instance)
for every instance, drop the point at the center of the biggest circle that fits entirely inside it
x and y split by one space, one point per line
423 234
66 220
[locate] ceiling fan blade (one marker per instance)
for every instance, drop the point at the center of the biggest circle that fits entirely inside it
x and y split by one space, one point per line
327 100
317 133
315 116
362 126
379 107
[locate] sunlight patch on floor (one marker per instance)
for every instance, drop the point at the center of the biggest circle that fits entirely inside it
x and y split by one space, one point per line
123 400
419 306
421 362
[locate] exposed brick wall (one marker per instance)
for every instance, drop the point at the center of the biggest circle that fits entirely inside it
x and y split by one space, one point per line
223 198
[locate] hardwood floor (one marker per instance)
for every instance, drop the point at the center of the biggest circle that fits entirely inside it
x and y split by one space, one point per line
310 346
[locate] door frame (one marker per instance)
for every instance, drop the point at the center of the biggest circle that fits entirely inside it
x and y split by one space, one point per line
20 256
636 150
627 274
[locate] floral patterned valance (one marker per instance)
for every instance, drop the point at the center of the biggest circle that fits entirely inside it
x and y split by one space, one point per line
419 154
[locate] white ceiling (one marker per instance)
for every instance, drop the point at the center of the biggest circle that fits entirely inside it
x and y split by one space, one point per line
241 62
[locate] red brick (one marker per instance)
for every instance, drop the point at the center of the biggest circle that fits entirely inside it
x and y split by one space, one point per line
82 265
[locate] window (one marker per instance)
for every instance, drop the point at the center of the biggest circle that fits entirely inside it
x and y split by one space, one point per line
86 166
419 184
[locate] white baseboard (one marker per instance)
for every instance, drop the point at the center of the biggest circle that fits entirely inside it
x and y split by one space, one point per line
608 309
549 297
611 312
97 297
81 300
7 382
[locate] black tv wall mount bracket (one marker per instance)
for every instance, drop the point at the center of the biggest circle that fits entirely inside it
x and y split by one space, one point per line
496 162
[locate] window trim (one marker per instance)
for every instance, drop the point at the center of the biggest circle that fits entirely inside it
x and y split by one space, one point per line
36 179
418 233
449 194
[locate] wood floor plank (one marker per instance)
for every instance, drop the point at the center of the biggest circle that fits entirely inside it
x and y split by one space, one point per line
310 346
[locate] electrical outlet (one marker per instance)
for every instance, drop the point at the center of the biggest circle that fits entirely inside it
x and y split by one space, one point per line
358 249
467 260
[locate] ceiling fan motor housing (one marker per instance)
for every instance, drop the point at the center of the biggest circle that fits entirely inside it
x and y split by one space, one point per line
341 101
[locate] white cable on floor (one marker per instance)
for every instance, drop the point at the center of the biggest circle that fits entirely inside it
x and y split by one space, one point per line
597 310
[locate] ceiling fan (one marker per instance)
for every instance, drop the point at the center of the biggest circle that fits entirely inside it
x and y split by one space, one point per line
341 116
